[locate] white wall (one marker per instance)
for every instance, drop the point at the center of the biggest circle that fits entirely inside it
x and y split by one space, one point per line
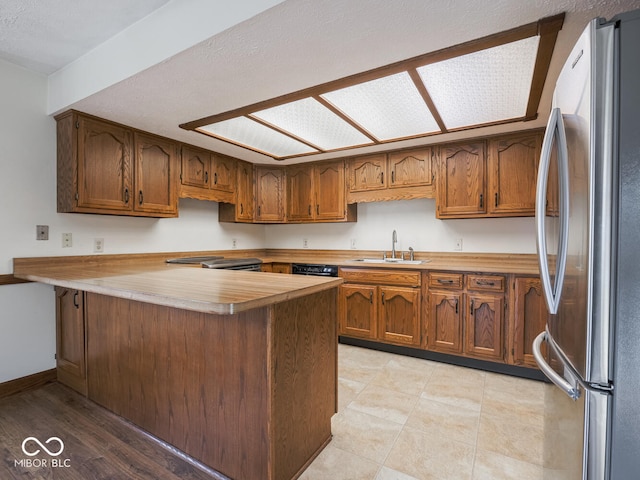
28 198
416 225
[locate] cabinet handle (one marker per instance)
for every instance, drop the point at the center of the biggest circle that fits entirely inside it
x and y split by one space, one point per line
215 178
75 300
456 305
241 209
371 297
471 308
496 196
126 195
485 283
309 210
382 178
393 176
318 209
140 198
383 298
206 177
258 210
445 282
481 201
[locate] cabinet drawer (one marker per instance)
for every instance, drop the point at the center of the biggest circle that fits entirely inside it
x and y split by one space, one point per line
446 280
404 278
490 283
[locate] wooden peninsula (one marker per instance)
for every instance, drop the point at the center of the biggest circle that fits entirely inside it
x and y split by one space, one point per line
236 369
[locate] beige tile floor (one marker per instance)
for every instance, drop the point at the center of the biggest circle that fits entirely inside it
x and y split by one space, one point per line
403 418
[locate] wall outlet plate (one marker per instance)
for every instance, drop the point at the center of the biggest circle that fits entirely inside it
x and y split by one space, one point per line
458 245
353 243
98 245
67 240
305 243
234 243
42 232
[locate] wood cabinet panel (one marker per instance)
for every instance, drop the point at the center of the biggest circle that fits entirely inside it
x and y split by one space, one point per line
329 188
529 319
270 194
223 173
368 173
155 174
408 278
196 165
445 322
410 167
445 280
461 181
512 172
300 193
358 311
484 326
490 283
400 315
104 165
70 339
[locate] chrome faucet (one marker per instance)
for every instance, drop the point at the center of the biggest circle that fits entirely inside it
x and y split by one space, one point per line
394 240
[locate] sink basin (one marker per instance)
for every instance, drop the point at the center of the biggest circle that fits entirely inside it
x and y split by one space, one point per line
390 260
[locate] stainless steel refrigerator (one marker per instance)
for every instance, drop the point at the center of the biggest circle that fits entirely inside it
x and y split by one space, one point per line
588 229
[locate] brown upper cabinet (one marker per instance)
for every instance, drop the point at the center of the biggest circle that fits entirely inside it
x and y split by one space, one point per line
497 182
512 173
403 174
207 176
107 168
270 194
461 181
316 193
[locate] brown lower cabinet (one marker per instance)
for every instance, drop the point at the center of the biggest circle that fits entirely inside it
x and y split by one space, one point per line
529 319
467 314
381 305
71 363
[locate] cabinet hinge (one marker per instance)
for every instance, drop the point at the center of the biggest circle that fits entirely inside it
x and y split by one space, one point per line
77 124
77 196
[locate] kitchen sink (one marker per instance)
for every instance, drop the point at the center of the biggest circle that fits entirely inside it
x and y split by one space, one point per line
391 260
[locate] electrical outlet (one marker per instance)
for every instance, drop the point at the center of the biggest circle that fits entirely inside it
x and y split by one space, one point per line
42 232
234 243
98 245
305 243
67 240
353 243
458 245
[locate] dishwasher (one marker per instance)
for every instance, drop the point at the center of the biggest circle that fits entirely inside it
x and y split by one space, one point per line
321 270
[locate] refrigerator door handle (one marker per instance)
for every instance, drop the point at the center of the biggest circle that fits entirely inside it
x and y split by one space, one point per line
552 292
572 391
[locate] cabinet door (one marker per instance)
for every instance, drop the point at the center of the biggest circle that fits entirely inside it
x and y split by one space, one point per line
244 193
70 339
155 175
399 320
300 198
445 322
330 191
461 181
104 165
410 168
223 173
358 311
529 319
270 194
368 173
483 329
512 173
196 165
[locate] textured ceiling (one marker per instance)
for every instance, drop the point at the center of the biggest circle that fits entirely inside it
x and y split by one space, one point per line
47 35
301 43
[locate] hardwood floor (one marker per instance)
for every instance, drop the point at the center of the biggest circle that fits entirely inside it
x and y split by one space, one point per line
97 443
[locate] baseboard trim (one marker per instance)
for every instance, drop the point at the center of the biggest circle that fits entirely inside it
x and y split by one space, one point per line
27 383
